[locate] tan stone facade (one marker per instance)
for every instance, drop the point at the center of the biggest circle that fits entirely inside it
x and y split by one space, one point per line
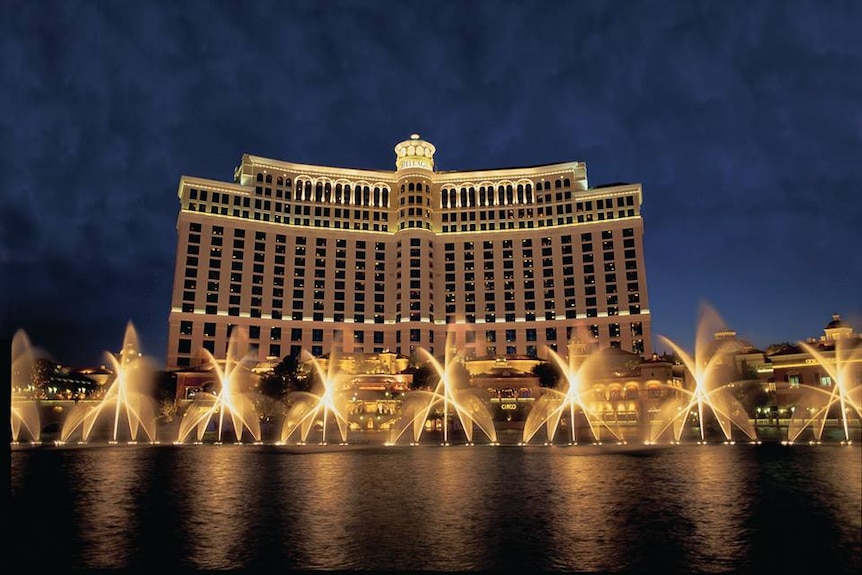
320 259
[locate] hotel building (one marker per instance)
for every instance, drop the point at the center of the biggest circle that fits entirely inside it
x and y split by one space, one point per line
323 259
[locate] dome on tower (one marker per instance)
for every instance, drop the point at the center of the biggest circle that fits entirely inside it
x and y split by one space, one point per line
837 328
414 153
837 322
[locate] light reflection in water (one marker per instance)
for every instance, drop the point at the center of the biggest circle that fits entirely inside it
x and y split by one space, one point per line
216 486
841 490
588 516
319 501
107 478
682 509
712 502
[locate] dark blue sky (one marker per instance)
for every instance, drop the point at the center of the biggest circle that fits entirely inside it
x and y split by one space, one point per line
742 120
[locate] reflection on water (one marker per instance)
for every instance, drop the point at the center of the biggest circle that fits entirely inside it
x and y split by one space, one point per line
687 508
104 503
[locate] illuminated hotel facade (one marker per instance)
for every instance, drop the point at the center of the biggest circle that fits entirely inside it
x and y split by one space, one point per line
319 259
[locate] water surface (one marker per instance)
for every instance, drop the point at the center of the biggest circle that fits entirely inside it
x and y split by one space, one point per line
690 508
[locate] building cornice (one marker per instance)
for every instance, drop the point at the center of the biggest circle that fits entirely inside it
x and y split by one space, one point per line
327 171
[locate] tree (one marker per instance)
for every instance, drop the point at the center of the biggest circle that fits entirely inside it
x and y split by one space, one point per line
780 346
272 385
283 379
165 386
422 375
548 375
751 395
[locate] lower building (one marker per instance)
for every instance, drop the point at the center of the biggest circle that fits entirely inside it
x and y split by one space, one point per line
810 373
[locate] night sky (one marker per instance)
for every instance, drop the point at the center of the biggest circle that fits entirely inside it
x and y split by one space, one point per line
741 119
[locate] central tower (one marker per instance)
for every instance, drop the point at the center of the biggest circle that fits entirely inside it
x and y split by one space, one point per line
414 288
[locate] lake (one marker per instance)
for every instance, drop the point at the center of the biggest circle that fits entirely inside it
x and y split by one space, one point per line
681 508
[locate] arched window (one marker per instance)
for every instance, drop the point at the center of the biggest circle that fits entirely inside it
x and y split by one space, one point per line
337 193
471 196
347 194
529 194
280 181
520 194
366 195
509 195
318 192
463 197
411 187
307 195
357 195
567 183
376 201
385 203
501 195
327 192
269 178
259 177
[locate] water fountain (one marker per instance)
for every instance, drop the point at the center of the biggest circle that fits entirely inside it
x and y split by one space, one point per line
552 404
453 395
310 408
233 397
24 409
707 368
129 397
816 403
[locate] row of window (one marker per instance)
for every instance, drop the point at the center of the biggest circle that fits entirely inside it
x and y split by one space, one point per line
374 220
263 177
297 334
491 338
378 196
508 194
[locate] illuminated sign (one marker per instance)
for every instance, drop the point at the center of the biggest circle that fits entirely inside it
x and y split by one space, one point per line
414 162
508 406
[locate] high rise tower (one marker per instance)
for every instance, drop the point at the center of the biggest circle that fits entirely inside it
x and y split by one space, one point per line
322 259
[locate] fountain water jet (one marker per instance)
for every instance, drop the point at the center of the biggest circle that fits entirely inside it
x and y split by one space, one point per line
308 408
465 401
816 402
233 397
129 396
705 367
24 409
551 405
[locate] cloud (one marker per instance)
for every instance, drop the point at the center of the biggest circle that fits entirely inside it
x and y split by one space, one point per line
743 122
